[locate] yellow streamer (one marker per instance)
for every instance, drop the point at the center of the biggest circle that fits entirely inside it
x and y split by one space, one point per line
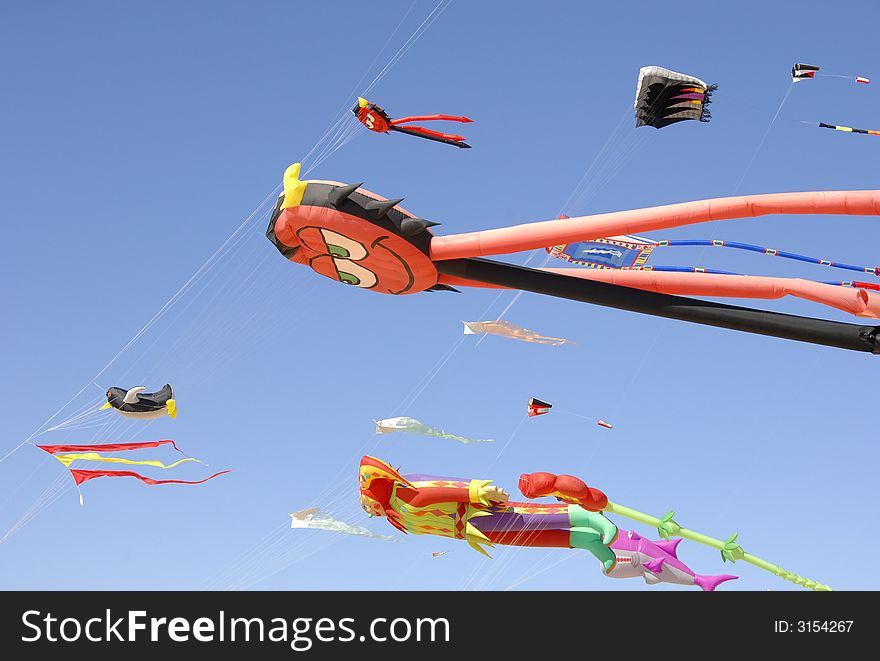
68 459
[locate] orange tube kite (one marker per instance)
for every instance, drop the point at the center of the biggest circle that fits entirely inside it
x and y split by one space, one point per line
859 302
532 236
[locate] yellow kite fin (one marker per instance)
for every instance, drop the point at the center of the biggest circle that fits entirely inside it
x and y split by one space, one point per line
294 189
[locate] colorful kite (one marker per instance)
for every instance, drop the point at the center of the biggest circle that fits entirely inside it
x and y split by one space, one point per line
376 119
570 489
361 239
413 426
135 403
616 252
504 328
67 454
318 520
664 97
847 129
538 407
657 562
482 515
631 253
801 72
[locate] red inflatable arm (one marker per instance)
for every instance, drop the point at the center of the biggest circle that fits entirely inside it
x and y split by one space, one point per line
564 487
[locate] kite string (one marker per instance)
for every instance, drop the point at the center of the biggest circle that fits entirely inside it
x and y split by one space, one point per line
17 448
606 168
512 436
763 139
543 568
346 133
420 30
338 126
610 169
48 498
151 322
340 135
711 226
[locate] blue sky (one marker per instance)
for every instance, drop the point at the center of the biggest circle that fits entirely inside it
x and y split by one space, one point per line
138 138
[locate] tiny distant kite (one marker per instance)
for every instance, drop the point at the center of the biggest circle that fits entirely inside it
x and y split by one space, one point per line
376 119
801 72
67 454
503 328
538 407
319 520
413 426
135 403
847 129
437 554
603 423
664 97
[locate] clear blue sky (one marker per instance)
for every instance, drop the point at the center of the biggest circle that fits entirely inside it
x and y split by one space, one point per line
136 138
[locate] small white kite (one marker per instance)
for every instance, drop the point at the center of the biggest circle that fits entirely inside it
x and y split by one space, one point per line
315 518
413 426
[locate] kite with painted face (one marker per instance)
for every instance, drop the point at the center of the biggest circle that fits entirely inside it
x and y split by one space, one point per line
359 238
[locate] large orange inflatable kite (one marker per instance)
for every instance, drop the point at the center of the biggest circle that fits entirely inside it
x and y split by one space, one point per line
359 238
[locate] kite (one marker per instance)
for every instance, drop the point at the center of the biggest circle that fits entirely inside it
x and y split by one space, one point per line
482 514
630 253
664 97
376 119
319 520
413 426
537 407
67 454
801 72
657 562
847 129
633 252
135 403
504 328
572 490
616 252
361 239
437 554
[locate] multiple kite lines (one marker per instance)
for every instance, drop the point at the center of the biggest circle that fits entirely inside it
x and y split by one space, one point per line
359 238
